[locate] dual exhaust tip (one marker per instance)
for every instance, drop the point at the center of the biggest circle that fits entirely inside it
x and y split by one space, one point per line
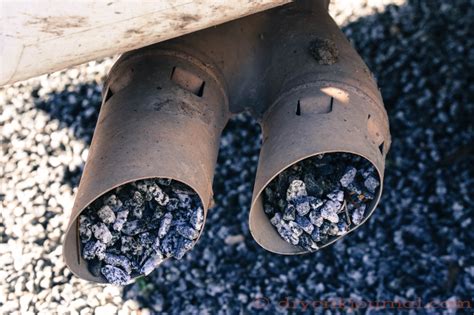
162 115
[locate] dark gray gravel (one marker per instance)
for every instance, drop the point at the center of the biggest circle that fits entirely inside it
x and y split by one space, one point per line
320 198
129 231
417 244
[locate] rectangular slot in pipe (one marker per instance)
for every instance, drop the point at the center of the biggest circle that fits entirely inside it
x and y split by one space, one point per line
188 81
314 105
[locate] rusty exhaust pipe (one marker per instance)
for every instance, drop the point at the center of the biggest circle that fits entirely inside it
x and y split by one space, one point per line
328 103
332 120
161 117
165 106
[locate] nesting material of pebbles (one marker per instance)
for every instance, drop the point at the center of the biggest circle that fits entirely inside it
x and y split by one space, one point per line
320 198
129 231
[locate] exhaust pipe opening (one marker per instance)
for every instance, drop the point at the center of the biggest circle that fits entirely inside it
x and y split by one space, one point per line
320 170
130 230
315 201
147 183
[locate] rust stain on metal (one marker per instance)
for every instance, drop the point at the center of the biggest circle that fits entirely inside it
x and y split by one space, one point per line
324 51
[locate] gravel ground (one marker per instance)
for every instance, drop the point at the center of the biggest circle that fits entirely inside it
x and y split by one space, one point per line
418 244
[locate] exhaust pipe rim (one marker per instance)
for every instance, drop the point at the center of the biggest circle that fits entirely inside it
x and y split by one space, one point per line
296 250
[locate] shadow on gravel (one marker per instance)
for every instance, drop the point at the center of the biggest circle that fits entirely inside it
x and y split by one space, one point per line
416 247
76 108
